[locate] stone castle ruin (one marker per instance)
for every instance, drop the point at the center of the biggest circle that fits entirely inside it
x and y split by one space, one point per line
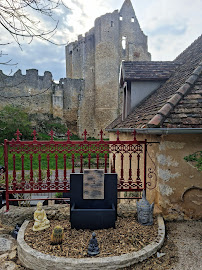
89 97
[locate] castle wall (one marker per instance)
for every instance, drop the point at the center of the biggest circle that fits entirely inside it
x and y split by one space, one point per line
86 109
106 69
136 40
58 99
30 91
72 94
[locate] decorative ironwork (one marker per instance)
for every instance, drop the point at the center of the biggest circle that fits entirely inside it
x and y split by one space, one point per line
112 156
34 135
68 134
151 184
51 134
18 134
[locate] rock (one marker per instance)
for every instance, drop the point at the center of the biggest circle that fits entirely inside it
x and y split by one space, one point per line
5 244
8 265
3 257
126 209
14 247
18 262
5 229
13 255
18 214
159 254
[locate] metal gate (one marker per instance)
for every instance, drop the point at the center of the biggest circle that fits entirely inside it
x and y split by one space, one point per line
44 166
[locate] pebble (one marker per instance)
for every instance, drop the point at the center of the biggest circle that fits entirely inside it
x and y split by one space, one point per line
13 255
159 255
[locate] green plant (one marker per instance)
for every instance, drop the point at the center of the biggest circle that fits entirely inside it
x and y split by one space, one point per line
58 195
57 235
11 119
196 158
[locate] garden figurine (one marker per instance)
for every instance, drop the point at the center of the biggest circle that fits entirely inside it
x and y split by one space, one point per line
93 248
145 211
40 220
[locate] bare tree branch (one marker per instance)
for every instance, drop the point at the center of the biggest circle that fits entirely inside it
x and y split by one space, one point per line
18 18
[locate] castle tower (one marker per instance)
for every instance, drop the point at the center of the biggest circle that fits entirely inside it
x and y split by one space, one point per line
133 40
96 58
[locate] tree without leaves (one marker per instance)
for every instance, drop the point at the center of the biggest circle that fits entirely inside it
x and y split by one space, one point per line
17 17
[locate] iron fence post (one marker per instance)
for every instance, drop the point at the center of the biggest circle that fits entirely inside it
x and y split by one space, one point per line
6 176
145 167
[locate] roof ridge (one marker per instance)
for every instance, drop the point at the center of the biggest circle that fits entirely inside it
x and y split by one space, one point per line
162 114
194 42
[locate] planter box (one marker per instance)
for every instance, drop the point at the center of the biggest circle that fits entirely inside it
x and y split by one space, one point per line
93 219
93 214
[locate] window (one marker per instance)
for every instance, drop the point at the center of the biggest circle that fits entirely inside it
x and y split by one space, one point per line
132 19
112 23
124 42
121 18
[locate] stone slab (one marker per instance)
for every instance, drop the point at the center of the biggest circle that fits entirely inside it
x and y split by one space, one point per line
93 184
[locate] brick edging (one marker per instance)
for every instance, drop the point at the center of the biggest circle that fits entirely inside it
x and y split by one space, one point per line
36 260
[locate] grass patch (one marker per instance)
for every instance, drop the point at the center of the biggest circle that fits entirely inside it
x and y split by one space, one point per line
52 162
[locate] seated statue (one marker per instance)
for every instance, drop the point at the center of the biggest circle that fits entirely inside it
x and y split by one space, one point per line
93 248
41 222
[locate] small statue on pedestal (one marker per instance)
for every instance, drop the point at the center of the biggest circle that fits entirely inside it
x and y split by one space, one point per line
145 211
93 248
41 221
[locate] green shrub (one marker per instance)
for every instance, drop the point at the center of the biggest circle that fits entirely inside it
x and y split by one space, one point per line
11 119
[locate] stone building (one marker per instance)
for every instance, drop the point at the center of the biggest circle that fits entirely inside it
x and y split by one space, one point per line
96 58
172 116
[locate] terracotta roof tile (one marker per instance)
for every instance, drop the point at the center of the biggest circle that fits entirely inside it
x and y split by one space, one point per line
183 89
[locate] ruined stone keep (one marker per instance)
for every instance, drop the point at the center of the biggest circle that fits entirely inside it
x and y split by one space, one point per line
96 58
89 97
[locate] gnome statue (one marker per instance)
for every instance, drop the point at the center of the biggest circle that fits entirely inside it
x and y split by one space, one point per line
145 211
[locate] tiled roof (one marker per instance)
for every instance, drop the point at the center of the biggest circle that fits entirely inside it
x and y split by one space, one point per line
175 103
188 112
147 70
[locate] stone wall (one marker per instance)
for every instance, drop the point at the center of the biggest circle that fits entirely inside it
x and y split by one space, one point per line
72 96
30 91
178 191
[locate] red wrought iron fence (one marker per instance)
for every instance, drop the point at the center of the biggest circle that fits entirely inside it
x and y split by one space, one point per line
37 158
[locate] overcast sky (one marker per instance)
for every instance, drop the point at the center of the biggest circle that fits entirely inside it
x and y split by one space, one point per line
171 26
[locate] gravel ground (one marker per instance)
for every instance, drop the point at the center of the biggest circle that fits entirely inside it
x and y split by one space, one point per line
182 249
112 242
187 236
